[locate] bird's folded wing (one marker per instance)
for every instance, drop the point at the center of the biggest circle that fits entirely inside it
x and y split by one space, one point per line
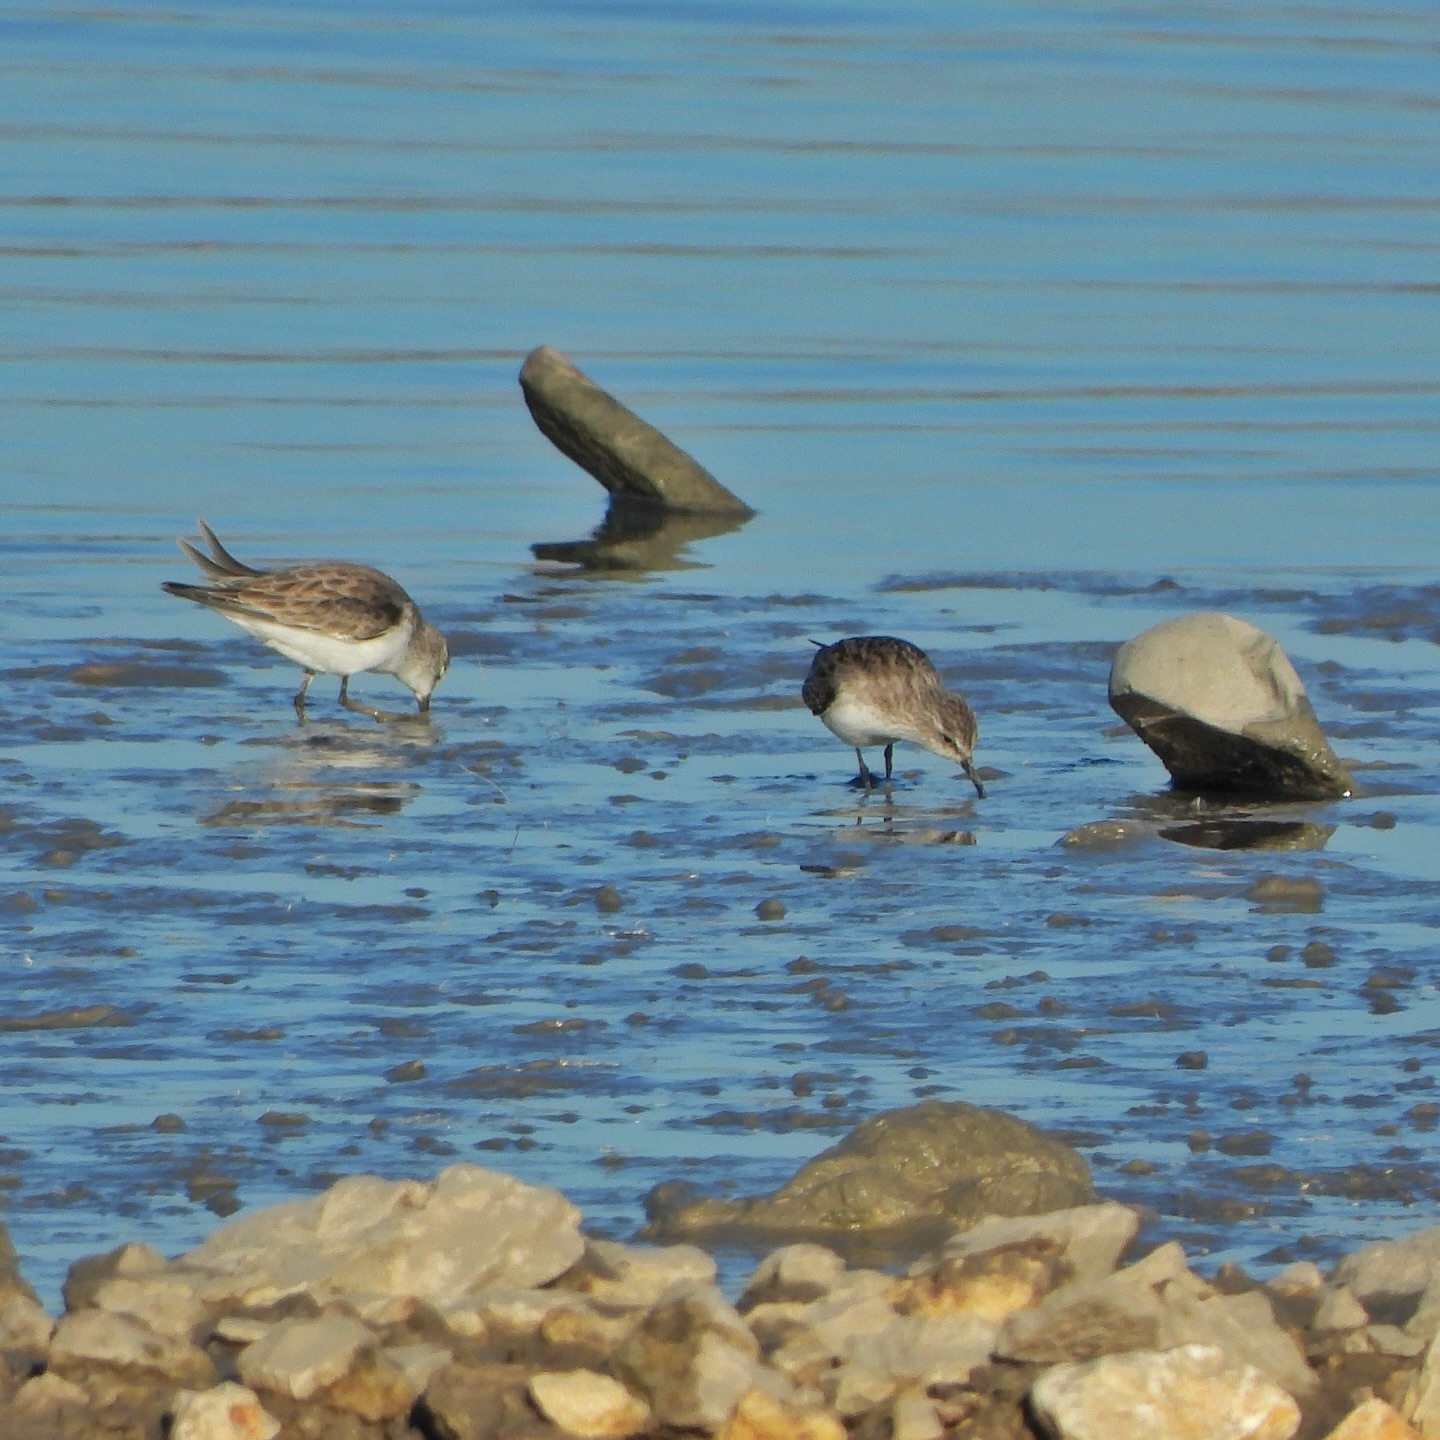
348 602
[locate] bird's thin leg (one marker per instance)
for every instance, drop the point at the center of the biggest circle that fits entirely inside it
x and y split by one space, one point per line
300 695
974 778
889 760
865 779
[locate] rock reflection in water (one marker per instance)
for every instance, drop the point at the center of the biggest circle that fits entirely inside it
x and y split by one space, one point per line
1251 834
638 538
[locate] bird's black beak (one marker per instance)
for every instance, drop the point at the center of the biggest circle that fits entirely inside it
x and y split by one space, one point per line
423 705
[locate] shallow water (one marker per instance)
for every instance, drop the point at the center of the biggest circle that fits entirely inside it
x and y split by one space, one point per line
999 327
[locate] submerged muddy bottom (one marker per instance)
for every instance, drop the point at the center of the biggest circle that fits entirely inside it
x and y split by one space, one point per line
615 918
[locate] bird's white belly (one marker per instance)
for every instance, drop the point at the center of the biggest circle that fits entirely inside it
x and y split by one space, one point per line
328 654
860 724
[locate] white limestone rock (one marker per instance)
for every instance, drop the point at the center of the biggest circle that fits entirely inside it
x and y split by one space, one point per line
1392 1340
913 1416
44 1394
932 1349
912 1350
1221 705
504 1310
1242 1327
1155 1304
801 1272
87 1274
163 1301
468 1229
1391 1272
834 1328
693 1357
1189 1393
242 1329
635 1276
418 1362
24 1325
588 1404
1339 1310
299 1357
223 1412
1303 1278
1092 1237
1421 1402
97 1337
1087 1318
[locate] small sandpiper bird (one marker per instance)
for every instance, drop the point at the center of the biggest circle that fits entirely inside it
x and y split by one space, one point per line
875 690
329 617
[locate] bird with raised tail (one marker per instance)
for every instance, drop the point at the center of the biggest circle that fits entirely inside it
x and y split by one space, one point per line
876 690
330 617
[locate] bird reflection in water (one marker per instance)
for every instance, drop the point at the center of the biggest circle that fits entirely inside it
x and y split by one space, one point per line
327 779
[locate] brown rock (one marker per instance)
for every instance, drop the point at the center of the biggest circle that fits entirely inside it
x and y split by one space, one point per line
1374 1420
481 1402
992 1285
631 459
582 1328
759 1416
587 1404
374 1390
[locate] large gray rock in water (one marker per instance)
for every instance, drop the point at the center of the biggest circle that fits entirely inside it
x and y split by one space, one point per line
922 1167
631 459
1221 705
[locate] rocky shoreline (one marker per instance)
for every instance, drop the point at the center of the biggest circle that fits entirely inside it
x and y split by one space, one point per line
473 1307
